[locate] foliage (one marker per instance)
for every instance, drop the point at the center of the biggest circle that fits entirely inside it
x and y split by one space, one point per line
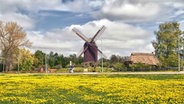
106 62
166 43
94 89
26 60
39 58
78 69
171 60
119 66
54 60
117 62
59 59
140 67
113 59
12 37
117 58
51 60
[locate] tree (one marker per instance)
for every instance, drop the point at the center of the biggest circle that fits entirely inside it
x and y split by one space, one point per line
58 60
51 59
119 66
79 61
114 59
12 37
39 58
65 62
26 60
106 62
74 59
166 43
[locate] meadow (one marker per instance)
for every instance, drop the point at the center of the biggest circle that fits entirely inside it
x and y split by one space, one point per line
85 89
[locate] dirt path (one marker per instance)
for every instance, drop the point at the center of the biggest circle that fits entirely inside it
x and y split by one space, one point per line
181 72
76 73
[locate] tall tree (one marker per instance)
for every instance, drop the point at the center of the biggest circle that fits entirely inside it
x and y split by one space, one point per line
166 43
12 37
51 59
58 60
39 58
115 58
26 60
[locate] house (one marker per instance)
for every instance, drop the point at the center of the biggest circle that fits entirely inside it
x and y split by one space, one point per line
145 58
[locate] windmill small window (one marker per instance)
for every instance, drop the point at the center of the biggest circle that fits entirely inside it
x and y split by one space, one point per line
90 49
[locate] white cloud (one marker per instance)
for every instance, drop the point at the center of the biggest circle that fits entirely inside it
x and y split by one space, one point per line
22 20
118 36
182 25
23 11
95 3
51 39
175 4
37 5
179 12
29 5
117 9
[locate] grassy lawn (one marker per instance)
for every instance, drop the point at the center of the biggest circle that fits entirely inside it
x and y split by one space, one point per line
59 89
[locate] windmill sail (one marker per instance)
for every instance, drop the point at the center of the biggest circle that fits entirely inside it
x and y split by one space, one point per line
99 33
82 36
90 49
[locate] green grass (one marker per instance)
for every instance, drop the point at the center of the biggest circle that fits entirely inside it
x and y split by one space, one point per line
98 89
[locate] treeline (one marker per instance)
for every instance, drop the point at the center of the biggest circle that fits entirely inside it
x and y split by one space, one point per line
58 61
26 61
55 60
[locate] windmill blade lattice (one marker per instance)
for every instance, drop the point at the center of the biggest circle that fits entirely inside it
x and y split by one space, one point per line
98 33
82 36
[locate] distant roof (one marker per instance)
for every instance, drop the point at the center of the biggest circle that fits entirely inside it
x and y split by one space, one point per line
146 58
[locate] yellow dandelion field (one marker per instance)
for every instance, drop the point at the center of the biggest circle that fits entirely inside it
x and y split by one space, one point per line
78 89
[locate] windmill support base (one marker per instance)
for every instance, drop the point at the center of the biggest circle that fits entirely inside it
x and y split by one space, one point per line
90 65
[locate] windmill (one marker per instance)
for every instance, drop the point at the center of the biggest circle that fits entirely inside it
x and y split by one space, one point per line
90 49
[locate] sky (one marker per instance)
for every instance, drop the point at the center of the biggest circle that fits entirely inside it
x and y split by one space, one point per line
130 24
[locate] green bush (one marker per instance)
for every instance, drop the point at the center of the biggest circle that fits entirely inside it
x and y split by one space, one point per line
140 67
78 69
119 67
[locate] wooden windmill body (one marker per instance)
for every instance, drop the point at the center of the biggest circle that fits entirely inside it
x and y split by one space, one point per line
90 49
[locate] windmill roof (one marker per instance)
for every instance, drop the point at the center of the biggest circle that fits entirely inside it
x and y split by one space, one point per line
146 58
